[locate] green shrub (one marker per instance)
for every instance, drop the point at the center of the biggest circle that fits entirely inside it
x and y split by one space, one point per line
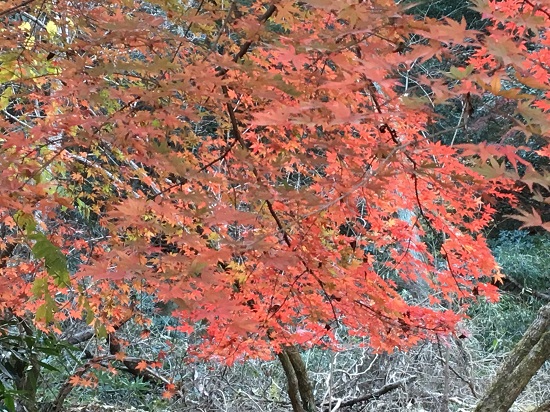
526 259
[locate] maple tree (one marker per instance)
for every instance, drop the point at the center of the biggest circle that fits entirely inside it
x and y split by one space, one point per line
263 166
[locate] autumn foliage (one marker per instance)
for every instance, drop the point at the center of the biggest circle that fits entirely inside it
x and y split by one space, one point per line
270 168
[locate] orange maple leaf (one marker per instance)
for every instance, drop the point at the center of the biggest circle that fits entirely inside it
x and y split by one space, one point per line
167 394
120 356
75 380
528 219
142 365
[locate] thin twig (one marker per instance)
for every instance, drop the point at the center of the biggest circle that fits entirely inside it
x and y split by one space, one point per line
15 8
376 394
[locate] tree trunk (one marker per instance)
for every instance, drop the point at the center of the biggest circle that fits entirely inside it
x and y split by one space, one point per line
522 363
304 384
299 388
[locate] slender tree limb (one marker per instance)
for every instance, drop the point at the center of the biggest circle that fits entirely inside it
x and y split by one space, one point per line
246 45
525 289
16 7
537 7
219 158
80 337
445 361
273 214
376 394
67 387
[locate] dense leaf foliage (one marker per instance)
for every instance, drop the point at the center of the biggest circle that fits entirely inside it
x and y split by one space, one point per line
249 162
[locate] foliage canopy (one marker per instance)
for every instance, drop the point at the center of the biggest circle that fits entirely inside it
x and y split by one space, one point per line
249 161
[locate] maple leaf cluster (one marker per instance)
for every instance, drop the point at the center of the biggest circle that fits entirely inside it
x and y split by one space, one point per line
263 166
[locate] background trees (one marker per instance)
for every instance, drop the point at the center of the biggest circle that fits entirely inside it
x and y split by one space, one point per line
275 175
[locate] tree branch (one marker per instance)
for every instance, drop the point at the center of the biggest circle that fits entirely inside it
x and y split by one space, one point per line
530 291
376 394
15 8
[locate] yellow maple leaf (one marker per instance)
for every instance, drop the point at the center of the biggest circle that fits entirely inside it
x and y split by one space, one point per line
51 28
